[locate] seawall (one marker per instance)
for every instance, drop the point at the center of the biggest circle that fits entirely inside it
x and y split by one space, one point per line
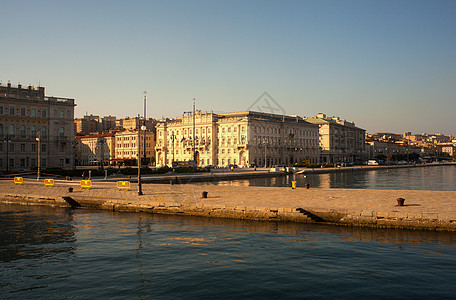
424 210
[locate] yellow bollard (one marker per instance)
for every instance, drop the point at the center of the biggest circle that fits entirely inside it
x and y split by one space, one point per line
293 185
18 180
86 184
123 185
49 182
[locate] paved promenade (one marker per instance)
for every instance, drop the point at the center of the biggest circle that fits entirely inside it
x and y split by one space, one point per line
431 210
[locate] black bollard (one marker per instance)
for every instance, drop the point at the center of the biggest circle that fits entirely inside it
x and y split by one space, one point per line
400 201
70 190
307 186
204 194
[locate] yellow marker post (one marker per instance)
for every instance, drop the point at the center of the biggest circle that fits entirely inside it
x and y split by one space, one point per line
49 182
123 185
293 185
86 184
18 180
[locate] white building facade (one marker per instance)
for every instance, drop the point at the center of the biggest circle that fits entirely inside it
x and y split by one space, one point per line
239 138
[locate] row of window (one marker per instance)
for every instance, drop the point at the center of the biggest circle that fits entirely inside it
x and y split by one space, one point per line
23 162
29 112
292 131
22 130
30 162
22 111
11 147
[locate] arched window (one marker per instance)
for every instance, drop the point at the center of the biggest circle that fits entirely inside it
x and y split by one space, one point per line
62 131
1 129
43 131
12 129
33 131
22 131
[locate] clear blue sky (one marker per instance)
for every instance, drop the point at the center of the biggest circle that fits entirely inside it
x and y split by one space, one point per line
387 65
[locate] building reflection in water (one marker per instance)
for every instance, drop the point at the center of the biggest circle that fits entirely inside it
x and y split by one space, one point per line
34 232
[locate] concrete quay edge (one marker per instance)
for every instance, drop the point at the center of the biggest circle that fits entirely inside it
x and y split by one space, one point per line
426 210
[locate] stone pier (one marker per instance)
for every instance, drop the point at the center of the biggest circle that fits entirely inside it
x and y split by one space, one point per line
426 210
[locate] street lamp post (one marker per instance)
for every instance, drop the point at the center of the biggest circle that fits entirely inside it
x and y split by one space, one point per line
172 138
38 139
101 143
139 158
144 123
7 140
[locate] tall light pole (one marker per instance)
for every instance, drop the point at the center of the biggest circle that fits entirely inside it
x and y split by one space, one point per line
38 139
7 140
144 154
194 141
101 142
172 138
139 158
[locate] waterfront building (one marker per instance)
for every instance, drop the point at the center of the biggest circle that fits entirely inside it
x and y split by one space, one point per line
132 123
94 149
86 125
107 123
239 138
27 114
340 140
127 148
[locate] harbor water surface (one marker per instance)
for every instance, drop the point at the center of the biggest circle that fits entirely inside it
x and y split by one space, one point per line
60 253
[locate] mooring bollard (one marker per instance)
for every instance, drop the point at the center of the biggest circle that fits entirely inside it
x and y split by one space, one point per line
400 201
70 190
204 194
171 182
307 186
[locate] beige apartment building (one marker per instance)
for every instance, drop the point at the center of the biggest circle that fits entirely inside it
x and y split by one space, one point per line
127 147
239 138
93 149
28 120
340 140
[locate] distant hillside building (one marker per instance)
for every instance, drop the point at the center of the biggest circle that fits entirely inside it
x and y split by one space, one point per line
27 114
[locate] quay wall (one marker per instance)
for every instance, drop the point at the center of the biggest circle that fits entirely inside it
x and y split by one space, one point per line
426 210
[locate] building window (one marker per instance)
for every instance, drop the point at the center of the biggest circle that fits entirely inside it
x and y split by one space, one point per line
43 148
44 162
12 129
22 131
1 129
1 110
33 112
43 113
22 111
33 131
62 114
62 131
1 162
22 147
11 147
22 162
11 110
43 132
11 162
1 147
33 147
33 162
